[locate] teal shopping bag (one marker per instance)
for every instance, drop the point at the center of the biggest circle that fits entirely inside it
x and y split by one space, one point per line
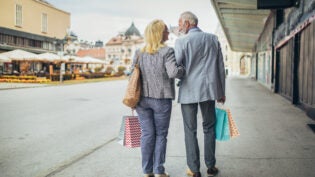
222 131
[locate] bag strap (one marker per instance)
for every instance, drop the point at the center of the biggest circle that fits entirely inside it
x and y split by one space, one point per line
137 60
136 65
132 111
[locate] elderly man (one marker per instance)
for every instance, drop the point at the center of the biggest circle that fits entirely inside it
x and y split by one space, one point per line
203 84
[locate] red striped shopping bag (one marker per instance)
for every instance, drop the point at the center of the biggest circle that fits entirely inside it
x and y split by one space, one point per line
130 132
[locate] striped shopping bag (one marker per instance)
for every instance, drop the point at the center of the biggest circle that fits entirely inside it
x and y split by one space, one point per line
232 125
130 132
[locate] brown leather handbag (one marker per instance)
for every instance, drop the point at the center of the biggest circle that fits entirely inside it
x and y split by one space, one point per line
133 91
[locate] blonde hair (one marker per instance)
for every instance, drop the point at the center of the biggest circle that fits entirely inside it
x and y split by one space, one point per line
153 35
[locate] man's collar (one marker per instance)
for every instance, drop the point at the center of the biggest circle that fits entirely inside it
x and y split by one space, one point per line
193 29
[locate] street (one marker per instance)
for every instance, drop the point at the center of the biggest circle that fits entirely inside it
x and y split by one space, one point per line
42 129
70 131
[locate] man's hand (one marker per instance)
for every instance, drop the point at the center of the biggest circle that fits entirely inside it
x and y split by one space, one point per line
221 100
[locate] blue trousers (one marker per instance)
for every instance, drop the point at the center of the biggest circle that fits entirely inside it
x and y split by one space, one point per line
154 116
189 112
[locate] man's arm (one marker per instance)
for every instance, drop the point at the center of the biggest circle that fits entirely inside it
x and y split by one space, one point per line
179 52
221 73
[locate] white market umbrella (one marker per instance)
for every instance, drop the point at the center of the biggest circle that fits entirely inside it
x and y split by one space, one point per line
75 59
51 57
21 55
92 60
4 58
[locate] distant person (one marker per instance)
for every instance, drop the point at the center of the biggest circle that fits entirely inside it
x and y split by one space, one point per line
203 83
158 69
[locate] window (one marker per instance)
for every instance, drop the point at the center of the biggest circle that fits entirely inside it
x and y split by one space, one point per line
19 41
18 15
45 45
44 23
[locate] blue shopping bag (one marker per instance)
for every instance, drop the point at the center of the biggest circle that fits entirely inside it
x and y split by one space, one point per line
222 131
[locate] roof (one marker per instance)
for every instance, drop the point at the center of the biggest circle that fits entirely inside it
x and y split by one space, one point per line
132 30
46 3
115 41
241 22
95 53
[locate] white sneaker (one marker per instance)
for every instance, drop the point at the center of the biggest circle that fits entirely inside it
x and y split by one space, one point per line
149 175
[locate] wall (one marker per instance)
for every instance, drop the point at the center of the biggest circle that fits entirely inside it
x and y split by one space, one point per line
286 70
264 54
58 20
264 68
306 66
295 43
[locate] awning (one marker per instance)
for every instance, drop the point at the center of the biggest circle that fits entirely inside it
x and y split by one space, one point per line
241 22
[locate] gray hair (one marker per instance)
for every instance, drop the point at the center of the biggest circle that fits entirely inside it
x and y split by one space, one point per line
190 17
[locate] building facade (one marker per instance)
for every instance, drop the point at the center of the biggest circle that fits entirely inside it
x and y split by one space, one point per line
32 25
284 53
280 35
121 48
294 56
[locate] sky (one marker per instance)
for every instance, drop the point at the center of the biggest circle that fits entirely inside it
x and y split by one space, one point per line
94 20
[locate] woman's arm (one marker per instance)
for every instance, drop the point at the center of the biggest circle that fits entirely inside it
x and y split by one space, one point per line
172 68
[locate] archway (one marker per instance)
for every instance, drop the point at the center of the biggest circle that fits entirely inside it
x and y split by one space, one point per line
244 65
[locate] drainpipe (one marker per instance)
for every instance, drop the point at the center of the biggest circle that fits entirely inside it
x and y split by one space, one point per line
273 59
256 66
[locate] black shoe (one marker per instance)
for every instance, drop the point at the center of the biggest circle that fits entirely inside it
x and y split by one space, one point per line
198 174
212 171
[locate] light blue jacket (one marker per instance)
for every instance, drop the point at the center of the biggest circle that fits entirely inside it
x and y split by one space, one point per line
201 55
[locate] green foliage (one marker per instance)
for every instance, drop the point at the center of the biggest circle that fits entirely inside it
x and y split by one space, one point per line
121 68
98 69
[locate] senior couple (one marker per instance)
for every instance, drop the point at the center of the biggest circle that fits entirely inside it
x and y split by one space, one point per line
197 61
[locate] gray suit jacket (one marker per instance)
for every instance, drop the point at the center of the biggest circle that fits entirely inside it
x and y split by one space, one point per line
201 55
158 72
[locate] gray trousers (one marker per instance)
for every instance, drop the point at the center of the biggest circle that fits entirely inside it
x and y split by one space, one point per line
189 112
154 116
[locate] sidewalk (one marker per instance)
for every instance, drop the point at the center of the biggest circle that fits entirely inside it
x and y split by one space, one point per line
275 142
5 86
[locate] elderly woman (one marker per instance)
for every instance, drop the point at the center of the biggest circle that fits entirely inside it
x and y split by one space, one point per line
158 69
